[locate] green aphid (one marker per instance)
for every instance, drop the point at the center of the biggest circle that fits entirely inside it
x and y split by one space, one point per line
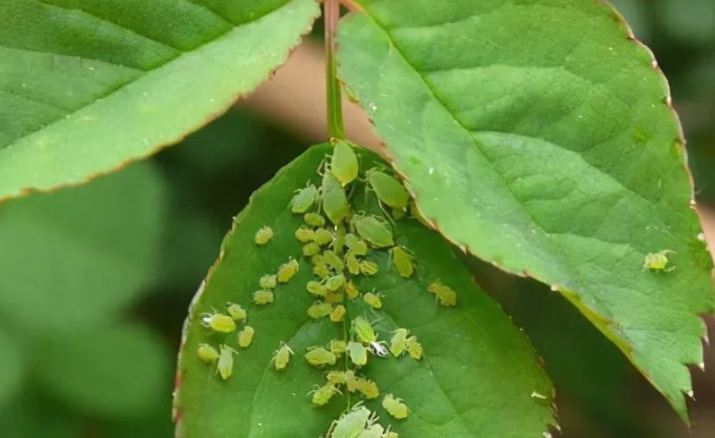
445 295
315 288
320 357
414 348
398 344
344 164
376 231
322 270
225 362
322 237
335 282
288 270
395 407
360 248
358 353
263 297
363 330
236 312
304 235
373 300
268 281
336 378
335 203
368 388
351 424
245 336
352 263
338 347
372 431
351 240
320 310
317 259
207 353
314 220
311 249
218 322
658 262
338 313
282 357
368 268
333 260
351 291
304 199
263 235
388 189
402 261
323 394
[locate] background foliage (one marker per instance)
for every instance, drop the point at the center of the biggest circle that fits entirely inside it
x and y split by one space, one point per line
95 281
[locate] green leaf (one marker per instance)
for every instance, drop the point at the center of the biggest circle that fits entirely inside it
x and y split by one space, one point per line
87 85
477 377
75 258
11 368
538 136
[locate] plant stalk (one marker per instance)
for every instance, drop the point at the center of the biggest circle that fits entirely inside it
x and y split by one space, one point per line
336 129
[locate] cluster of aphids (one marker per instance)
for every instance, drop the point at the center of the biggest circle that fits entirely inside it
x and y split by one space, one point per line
337 254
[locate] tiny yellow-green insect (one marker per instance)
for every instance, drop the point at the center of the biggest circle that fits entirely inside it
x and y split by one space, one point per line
351 380
402 262
322 236
236 312
218 322
351 291
314 220
350 240
373 300
304 235
225 362
263 297
304 199
245 336
336 378
207 353
335 203
320 357
351 424
335 282
352 263
376 231
323 394
315 288
444 294
282 357
311 249
387 189
414 348
363 330
395 407
368 388
372 431
368 268
398 344
288 270
321 270
344 164
333 260
338 313
358 353
658 262
320 310
263 235
268 281
360 248
338 347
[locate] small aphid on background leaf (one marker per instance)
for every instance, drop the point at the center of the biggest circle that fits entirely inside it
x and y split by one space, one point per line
351 291
358 353
338 313
350 240
333 260
218 322
395 407
335 282
336 378
263 235
288 270
344 164
263 297
322 237
444 294
304 235
314 220
360 248
304 199
373 300
268 281
335 203
363 330
320 357
315 288
245 336
376 231
321 270
207 353
398 344
351 424
225 362
282 357
368 268
658 262
236 312
387 189
351 380
311 249
323 394
352 263
414 348
338 347
402 261
320 310
368 388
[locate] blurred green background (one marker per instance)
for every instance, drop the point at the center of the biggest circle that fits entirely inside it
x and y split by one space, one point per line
95 281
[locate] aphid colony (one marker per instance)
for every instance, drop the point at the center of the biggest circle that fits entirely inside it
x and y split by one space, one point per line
337 250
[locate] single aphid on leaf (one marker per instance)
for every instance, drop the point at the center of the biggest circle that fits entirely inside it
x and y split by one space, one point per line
321 270
311 249
360 248
334 297
245 336
323 394
268 281
376 231
236 312
351 291
350 240
335 282
314 220
218 322
368 268
304 235
304 199
398 344
368 388
444 294
263 297
395 407
351 424
320 310
358 353
344 164
322 236
282 357
225 362
335 203
338 347
363 331
387 189
315 288
414 348
373 300
333 260
263 235
207 353
338 313
320 357
336 378
372 431
658 262
402 261
288 270
352 263
351 380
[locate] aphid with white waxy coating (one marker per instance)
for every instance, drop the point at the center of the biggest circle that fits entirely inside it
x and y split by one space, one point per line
314 220
315 288
288 270
320 310
444 294
363 330
263 297
372 431
338 347
338 313
344 164
225 362
373 300
304 199
658 262
351 424
335 282
322 236
351 291
395 407
398 344
282 357
377 232
207 353
218 322
402 262
335 203
333 260
263 235
352 263
320 357
323 394
368 388
311 249
390 434
387 189
245 336
268 281
414 348
368 268
304 235
358 353
236 312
